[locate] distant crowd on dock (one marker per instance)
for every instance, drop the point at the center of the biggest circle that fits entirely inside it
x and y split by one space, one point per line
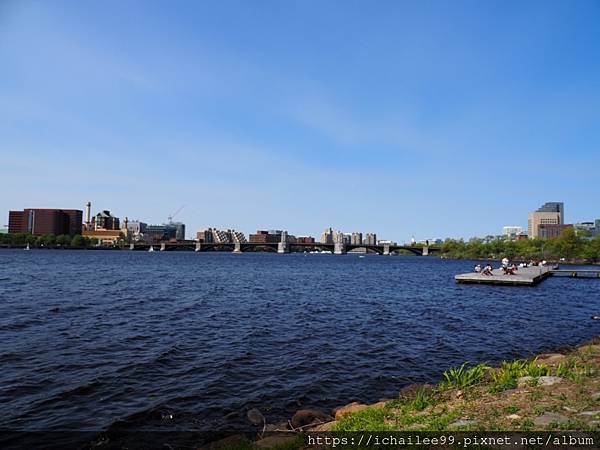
507 267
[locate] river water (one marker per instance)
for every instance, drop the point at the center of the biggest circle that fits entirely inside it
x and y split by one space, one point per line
183 340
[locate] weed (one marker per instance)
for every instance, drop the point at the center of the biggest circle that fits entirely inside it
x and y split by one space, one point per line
462 377
527 425
534 369
506 376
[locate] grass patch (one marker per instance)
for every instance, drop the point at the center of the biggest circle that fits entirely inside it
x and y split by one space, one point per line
506 376
464 376
371 419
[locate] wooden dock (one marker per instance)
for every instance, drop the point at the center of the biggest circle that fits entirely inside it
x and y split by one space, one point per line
524 276
576 273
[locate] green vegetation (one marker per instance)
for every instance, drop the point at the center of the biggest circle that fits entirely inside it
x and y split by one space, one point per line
569 246
47 240
462 377
471 398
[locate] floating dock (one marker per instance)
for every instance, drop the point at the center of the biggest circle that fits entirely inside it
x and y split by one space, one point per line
576 273
524 276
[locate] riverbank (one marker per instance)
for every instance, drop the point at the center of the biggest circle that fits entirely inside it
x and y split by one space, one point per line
554 391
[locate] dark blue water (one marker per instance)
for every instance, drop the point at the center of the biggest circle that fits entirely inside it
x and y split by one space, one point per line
193 340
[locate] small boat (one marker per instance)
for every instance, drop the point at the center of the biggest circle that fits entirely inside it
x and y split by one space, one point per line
27 248
361 256
151 249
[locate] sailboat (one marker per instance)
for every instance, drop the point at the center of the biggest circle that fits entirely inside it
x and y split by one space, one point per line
27 248
151 249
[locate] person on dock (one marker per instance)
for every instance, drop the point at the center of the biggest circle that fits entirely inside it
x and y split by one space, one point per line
478 268
487 270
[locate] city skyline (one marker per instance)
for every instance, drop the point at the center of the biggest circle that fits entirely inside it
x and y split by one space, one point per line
301 116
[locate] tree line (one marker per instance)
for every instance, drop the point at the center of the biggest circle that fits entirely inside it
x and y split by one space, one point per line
569 245
47 240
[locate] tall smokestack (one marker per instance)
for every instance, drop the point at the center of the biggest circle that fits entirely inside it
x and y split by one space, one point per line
88 213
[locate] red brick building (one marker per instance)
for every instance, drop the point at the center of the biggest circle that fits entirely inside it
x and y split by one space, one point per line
552 231
46 221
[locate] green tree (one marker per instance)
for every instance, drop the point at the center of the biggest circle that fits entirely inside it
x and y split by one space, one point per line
78 241
63 240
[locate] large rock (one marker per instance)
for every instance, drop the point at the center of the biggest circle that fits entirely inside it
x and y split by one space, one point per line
348 409
281 426
305 417
378 405
462 423
541 381
594 348
523 382
549 381
550 359
324 426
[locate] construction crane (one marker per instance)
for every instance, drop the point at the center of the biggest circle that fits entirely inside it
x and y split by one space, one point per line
172 215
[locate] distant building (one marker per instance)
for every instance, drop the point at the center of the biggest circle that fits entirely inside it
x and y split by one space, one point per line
554 207
511 232
105 237
268 237
551 231
305 240
159 233
597 228
548 214
40 221
216 236
205 236
136 229
371 239
104 220
179 230
338 237
327 236
356 238
585 228
174 231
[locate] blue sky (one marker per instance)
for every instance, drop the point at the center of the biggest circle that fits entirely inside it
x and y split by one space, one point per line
426 118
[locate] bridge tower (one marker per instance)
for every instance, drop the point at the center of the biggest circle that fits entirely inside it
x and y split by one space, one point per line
425 251
339 248
282 247
198 247
386 249
237 248
163 246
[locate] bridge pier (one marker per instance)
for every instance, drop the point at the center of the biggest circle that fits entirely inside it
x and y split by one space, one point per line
386 249
282 247
198 247
131 246
163 246
237 248
425 251
339 249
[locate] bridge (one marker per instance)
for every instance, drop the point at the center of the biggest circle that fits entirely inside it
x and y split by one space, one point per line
286 247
